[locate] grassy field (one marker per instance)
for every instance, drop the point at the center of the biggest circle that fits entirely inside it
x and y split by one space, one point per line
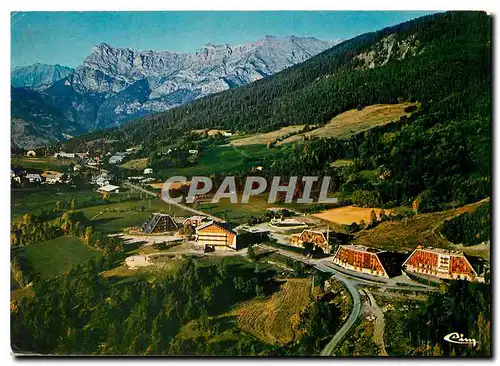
422 229
353 121
43 163
340 163
223 159
265 138
117 216
136 164
241 212
43 197
272 319
55 257
481 250
348 214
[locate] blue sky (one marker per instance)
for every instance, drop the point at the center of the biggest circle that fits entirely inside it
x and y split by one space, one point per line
67 38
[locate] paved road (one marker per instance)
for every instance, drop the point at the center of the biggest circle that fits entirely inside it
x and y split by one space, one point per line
350 284
355 310
180 205
379 323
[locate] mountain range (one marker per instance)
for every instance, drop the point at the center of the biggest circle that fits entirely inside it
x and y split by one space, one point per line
113 85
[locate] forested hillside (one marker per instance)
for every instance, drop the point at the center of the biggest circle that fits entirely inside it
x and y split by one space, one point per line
440 154
446 53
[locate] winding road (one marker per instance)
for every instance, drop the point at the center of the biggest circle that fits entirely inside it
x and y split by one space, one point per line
355 311
351 283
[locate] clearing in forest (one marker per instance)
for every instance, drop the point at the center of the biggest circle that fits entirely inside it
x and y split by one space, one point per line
354 121
274 319
421 229
265 138
348 214
57 256
136 164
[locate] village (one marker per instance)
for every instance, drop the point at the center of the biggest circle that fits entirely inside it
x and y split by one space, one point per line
289 229
162 232
208 236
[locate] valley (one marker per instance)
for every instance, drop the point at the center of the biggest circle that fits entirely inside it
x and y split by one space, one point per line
399 120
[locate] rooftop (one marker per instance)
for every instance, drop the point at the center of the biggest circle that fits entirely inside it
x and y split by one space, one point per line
362 248
109 188
441 251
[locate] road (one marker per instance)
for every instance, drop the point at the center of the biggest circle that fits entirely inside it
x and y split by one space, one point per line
351 283
173 203
379 323
353 316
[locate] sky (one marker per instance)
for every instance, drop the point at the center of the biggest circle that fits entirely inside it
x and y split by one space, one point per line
66 38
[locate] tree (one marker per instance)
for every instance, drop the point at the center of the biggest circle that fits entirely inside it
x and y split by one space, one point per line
89 231
251 252
373 218
383 215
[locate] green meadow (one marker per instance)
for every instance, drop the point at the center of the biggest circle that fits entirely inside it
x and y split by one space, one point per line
57 256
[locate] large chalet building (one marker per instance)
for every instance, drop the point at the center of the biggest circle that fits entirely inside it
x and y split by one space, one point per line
159 223
371 261
194 220
444 265
318 238
214 236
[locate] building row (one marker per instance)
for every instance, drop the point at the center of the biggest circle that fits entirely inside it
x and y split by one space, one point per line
433 264
427 263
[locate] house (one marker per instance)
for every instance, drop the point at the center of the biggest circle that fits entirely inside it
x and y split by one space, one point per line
109 189
31 154
278 222
138 178
194 221
102 181
227 134
319 238
193 152
15 177
443 264
159 223
52 177
34 178
372 261
116 159
148 171
17 173
81 155
63 154
93 161
216 236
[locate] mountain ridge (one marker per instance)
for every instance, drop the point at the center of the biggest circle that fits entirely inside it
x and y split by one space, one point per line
114 85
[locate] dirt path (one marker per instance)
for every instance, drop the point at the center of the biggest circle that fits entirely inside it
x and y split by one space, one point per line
378 334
